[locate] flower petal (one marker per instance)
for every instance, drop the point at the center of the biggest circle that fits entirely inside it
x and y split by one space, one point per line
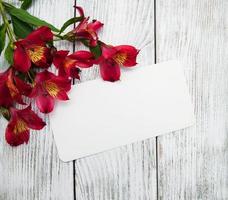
126 55
108 51
21 60
110 70
95 25
43 76
40 55
80 55
80 10
15 139
62 95
5 97
75 73
24 88
13 90
45 103
17 131
32 120
59 57
84 59
40 35
62 83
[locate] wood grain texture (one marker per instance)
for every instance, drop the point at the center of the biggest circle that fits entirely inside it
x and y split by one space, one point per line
128 172
34 171
193 164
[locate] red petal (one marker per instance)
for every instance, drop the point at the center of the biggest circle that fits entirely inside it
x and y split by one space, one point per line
24 88
40 55
108 51
59 57
40 35
37 89
43 76
75 73
17 131
81 26
83 34
21 60
5 97
95 25
80 55
13 90
16 139
45 103
62 95
110 70
62 73
84 59
80 10
130 52
31 118
62 83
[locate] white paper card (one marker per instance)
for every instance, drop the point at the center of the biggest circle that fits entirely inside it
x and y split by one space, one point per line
147 102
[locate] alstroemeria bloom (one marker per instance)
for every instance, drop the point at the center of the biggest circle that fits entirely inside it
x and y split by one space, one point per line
47 88
85 30
12 88
67 64
114 57
33 49
17 131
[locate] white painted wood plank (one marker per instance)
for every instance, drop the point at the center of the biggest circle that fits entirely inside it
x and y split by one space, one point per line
128 172
124 173
34 171
193 164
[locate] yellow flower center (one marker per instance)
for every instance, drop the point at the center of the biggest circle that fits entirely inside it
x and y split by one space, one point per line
20 127
36 53
120 58
68 63
12 88
51 88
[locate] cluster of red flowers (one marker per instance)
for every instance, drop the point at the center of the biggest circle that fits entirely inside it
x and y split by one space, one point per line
29 76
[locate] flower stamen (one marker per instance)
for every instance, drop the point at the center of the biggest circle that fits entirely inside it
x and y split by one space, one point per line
120 58
51 88
20 127
36 53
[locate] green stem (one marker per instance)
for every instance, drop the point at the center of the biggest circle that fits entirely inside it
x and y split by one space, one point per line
10 32
59 36
30 77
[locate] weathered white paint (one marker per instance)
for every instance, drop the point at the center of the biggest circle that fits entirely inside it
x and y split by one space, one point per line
34 171
128 172
192 164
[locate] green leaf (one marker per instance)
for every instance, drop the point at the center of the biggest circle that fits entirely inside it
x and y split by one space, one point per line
24 16
26 4
96 51
9 53
21 29
69 22
5 112
2 37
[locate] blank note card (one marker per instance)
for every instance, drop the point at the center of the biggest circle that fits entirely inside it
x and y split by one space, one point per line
147 102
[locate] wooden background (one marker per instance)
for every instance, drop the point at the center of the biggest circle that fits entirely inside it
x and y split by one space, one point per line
188 164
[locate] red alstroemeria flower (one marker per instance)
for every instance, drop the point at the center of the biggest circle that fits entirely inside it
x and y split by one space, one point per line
114 57
33 49
12 88
17 131
67 63
86 30
47 88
